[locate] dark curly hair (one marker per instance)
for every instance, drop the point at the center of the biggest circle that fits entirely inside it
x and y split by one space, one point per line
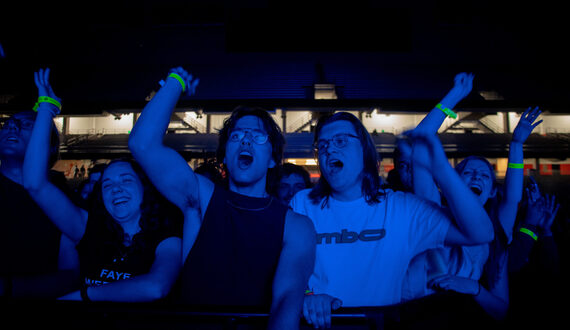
158 215
273 131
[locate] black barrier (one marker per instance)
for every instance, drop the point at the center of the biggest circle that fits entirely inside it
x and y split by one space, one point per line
448 311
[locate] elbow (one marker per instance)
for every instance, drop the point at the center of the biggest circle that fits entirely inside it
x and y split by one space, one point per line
157 291
138 145
32 186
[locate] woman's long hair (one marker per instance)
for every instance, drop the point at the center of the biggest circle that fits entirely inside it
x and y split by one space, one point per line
158 215
371 182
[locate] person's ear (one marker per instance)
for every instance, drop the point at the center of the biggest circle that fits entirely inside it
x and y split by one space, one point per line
272 163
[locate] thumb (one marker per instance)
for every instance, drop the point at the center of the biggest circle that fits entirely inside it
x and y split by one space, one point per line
336 303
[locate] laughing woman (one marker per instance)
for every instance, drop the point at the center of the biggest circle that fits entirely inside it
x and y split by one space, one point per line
128 239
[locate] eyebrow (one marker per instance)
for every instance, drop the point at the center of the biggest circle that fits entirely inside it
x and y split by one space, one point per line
121 175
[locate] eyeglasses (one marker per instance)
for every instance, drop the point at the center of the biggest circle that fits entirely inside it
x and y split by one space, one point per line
338 140
259 137
19 123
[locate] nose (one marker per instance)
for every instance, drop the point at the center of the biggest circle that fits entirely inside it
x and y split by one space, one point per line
116 188
246 140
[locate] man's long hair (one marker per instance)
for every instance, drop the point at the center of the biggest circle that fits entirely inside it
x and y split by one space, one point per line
370 177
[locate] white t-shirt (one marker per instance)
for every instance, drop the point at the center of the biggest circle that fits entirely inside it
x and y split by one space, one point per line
363 250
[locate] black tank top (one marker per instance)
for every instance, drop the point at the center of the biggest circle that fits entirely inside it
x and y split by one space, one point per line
235 255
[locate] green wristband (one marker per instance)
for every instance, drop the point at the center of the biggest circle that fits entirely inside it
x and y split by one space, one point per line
180 80
447 111
516 165
529 233
47 99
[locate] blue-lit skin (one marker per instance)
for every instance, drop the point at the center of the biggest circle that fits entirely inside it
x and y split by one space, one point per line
495 300
122 193
247 161
477 176
72 220
289 185
14 138
342 167
171 174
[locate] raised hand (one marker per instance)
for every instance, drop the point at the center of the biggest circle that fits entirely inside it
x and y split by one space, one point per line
534 209
550 210
42 82
189 80
463 84
526 124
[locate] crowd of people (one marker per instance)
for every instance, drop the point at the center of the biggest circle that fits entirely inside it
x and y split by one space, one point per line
449 245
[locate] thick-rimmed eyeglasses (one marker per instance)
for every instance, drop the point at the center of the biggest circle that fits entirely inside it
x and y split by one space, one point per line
257 136
338 140
20 124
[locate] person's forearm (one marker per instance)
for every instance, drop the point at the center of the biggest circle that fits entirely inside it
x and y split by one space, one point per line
471 218
35 169
493 305
50 286
433 120
143 288
286 313
519 250
514 176
155 117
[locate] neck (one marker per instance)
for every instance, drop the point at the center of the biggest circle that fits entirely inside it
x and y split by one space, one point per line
347 195
12 170
251 190
131 226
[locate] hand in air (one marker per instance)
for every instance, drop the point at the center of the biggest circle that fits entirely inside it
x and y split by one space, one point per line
190 81
526 124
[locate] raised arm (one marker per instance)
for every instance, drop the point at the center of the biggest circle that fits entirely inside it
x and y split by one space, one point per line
68 217
423 184
462 87
513 187
167 169
295 266
472 225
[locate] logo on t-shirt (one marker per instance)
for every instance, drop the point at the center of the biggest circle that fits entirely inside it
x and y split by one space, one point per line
346 236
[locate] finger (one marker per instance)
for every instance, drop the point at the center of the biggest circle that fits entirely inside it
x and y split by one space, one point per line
536 124
336 304
46 74
327 314
306 312
37 79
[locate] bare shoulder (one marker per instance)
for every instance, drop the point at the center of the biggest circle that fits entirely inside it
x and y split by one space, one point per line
298 227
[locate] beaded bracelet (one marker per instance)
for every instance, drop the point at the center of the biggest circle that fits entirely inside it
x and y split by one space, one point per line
447 111
309 292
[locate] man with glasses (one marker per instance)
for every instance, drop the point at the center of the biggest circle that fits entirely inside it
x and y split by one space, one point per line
367 236
241 246
37 261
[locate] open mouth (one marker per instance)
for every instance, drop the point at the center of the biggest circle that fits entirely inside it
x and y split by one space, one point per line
120 201
335 165
245 159
477 190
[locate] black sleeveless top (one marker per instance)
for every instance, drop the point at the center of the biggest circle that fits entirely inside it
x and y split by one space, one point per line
235 255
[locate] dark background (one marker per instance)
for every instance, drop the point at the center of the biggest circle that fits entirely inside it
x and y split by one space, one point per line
402 55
